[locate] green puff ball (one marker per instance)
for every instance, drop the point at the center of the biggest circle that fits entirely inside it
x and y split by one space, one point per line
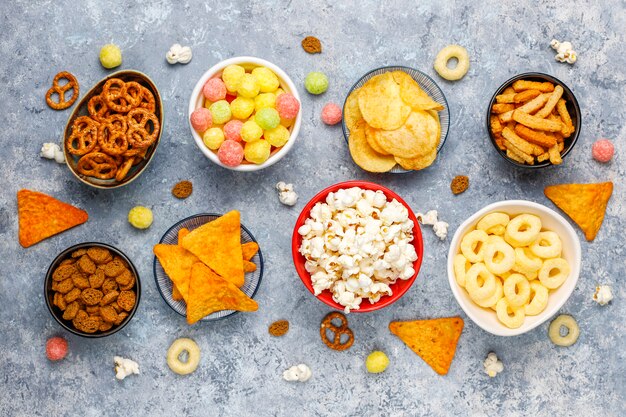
316 83
267 118
220 110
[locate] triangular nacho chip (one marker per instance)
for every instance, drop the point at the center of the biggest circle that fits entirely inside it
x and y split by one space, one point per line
218 245
41 216
176 262
583 203
208 293
433 340
181 235
248 266
176 295
249 249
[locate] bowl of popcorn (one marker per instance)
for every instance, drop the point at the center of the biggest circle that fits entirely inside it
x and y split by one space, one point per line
244 114
357 246
512 265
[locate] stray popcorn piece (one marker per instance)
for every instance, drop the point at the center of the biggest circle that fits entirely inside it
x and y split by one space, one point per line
300 373
125 367
603 295
52 151
430 218
178 54
564 51
492 365
286 194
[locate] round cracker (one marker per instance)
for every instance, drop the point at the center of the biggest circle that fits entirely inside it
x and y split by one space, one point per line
416 137
380 103
418 163
363 154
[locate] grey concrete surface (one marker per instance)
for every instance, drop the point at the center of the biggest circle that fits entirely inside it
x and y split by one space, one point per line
241 366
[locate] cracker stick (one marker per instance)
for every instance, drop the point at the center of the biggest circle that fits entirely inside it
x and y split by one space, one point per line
560 145
525 96
551 103
529 159
533 136
561 107
500 143
555 155
521 85
502 108
506 117
496 126
508 90
535 122
543 157
505 98
518 142
513 156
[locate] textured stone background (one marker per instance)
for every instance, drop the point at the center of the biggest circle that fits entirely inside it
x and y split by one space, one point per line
241 366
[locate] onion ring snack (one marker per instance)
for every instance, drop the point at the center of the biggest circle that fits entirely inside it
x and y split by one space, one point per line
573 331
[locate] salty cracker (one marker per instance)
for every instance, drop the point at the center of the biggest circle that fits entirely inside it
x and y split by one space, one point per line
416 137
412 94
351 112
209 292
583 203
381 104
41 216
364 156
433 340
176 262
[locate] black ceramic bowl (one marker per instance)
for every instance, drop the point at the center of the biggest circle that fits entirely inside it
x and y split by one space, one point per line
57 313
572 107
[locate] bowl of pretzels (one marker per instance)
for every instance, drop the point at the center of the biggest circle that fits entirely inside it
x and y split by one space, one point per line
112 134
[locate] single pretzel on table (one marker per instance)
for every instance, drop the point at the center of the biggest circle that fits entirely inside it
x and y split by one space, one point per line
338 331
60 90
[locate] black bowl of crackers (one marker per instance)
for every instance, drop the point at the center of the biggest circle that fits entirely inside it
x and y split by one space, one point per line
92 289
112 134
533 120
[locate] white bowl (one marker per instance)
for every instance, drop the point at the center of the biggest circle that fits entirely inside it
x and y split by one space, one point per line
197 99
486 317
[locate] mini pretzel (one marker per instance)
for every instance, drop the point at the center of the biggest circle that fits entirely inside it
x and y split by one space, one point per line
338 331
112 141
97 108
123 170
60 90
147 100
98 165
84 136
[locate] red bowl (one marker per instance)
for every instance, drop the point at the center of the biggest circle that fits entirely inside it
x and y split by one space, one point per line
399 288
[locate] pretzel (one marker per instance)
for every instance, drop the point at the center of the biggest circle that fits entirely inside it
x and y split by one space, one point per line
84 136
338 331
98 165
97 108
139 122
112 140
124 169
115 95
60 90
147 100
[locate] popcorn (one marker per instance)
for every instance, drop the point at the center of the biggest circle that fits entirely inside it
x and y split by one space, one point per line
356 244
52 151
430 218
178 54
564 51
286 194
125 367
492 365
603 295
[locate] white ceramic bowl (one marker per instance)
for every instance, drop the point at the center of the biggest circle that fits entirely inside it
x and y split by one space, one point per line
486 318
197 99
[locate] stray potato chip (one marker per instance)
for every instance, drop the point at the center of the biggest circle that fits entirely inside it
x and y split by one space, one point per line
176 262
209 292
583 203
363 154
249 249
412 94
351 113
544 87
41 216
380 103
434 340
535 122
417 137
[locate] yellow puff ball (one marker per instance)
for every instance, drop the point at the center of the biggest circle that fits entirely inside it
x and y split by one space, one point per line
376 362
242 107
140 217
278 136
257 152
250 131
232 76
249 86
264 100
268 81
213 138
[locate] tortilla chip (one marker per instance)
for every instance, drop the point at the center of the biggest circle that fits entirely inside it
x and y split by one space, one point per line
177 263
181 235
218 245
176 295
249 249
208 293
433 340
248 266
583 203
41 216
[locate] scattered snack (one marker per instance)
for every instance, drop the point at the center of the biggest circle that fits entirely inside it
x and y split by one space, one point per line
279 328
286 194
603 295
459 184
564 51
312 45
182 189
331 114
300 373
60 90
41 216
178 54
445 55
140 217
583 203
603 150
52 151
180 346
316 83
125 367
392 121
110 56
376 362
56 348
493 366
571 327
431 218
95 290
433 340
531 122
338 331
365 271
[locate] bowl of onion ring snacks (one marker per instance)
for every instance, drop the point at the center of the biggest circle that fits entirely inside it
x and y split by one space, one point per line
512 265
114 131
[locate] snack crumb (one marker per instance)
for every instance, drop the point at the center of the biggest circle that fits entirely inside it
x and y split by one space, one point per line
279 328
459 184
312 45
182 189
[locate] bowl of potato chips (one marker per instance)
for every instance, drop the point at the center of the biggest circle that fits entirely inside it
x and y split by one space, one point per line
533 120
396 120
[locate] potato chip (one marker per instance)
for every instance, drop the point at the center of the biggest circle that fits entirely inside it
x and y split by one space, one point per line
363 154
435 116
583 203
370 136
218 245
412 94
351 112
249 249
417 137
41 216
176 262
380 103
418 163
209 292
434 340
